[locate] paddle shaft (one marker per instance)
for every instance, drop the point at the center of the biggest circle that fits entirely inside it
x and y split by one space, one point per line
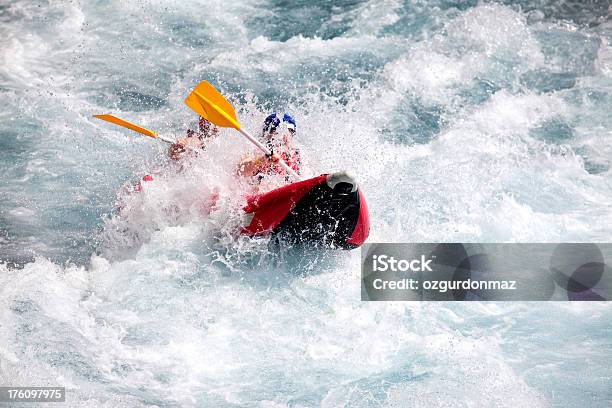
171 141
165 139
267 151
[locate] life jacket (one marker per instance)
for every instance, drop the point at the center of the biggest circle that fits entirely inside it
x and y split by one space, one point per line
287 152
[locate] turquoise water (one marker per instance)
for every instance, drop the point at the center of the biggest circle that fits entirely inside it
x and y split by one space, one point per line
462 120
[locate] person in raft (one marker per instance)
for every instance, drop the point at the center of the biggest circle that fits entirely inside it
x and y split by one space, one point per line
277 135
184 147
193 140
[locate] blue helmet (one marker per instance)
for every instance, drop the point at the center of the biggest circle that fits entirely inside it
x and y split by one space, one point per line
272 122
290 122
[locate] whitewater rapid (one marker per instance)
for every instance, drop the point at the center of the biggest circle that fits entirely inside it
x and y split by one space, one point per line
462 121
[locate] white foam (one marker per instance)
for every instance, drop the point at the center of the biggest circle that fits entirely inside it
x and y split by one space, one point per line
373 16
177 309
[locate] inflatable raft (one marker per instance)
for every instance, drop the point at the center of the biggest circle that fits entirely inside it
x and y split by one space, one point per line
328 210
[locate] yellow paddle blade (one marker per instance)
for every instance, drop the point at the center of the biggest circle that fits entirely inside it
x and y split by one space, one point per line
126 124
207 102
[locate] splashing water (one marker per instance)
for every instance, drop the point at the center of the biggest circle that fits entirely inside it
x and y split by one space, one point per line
463 121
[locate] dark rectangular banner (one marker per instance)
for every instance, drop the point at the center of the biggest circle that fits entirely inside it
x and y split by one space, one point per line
486 272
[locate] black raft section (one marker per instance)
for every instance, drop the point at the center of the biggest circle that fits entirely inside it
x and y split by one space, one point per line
324 216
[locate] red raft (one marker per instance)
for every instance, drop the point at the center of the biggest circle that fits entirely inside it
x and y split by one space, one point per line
328 210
